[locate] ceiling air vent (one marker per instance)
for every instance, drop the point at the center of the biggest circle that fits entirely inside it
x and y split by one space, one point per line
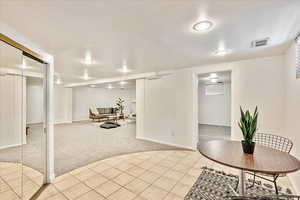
260 43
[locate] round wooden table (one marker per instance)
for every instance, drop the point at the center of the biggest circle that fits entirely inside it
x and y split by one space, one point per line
264 160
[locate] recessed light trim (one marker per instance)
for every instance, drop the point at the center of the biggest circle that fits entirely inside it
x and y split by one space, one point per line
203 26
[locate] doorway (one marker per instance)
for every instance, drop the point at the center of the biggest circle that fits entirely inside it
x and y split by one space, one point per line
214 106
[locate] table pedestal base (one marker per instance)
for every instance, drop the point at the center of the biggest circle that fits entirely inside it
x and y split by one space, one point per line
242 189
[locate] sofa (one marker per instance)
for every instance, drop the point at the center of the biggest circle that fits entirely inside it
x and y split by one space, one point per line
102 114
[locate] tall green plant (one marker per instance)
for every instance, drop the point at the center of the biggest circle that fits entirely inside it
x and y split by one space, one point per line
248 125
120 106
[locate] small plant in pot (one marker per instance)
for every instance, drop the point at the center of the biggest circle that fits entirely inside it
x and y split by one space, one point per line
120 106
248 125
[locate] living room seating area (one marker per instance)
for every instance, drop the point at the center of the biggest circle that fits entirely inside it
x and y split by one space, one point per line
103 114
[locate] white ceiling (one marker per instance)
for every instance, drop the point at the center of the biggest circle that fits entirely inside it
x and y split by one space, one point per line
149 35
128 84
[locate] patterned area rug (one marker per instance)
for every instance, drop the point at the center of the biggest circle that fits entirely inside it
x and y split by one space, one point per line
216 185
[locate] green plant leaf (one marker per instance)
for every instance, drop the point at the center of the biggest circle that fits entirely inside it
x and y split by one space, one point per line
248 124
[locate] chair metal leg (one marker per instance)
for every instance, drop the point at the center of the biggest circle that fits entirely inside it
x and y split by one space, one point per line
275 184
276 189
254 180
242 189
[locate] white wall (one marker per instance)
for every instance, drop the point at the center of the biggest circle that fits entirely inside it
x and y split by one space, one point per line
259 82
12 115
172 102
63 102
166 110
34 102
292 104
87 97
214 109
168 107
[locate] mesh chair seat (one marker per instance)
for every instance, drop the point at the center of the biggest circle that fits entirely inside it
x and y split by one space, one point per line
275 142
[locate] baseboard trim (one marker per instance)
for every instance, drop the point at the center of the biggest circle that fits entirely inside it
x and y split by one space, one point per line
166 143
226 125
63 122
33 123
58 122
51 178
80 120
9 146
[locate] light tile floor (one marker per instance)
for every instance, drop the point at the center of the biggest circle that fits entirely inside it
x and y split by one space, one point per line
14 185
154 175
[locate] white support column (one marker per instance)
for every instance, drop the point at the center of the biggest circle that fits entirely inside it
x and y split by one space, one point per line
50 175
242 189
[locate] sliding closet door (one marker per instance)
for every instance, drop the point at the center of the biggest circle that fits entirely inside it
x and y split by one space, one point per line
34 150
12 127
22 122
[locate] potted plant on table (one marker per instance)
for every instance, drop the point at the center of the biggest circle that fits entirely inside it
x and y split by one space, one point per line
248 126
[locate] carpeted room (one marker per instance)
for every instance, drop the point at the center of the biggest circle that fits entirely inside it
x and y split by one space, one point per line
79 140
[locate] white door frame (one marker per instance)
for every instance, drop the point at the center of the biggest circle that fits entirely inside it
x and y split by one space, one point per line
196 73
50 175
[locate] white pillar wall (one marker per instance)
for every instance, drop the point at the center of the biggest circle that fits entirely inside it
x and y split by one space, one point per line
50 175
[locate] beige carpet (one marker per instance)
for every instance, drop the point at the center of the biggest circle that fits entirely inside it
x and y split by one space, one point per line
80 143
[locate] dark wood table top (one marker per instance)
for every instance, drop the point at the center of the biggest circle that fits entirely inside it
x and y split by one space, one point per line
264 160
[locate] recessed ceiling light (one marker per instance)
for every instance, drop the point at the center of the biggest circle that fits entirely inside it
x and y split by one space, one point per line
109 87
214 80
58 81
123 82
86 75
88 59
221 52
124 69
213 75
92 86
203 26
